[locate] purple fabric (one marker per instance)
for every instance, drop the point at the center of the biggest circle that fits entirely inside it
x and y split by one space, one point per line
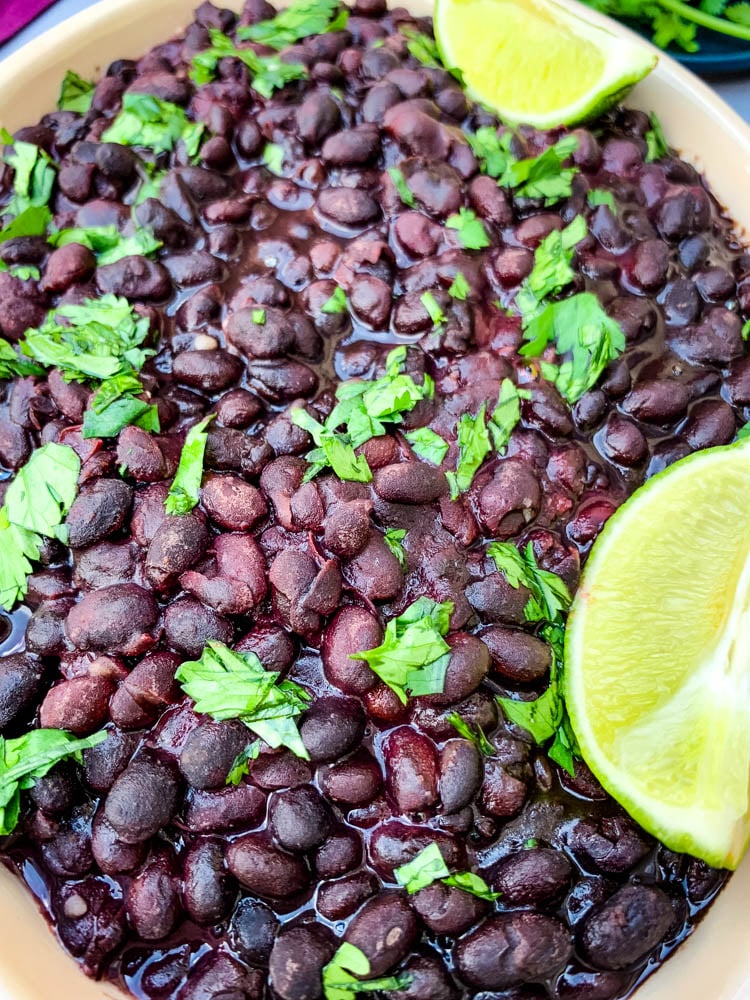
16 14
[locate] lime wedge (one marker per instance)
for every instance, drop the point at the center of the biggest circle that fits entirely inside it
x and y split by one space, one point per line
535 61
657 656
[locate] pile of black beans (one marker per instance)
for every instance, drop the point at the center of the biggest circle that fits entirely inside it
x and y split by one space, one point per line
153 871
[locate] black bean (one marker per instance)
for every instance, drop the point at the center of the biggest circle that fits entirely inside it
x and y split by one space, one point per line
153 899
90 920
612 844
331 727
384 929
460 774
142 799
134 278
252 931
510 949
210 751
177 543
626 927
264 869
299 818
78 705
297 960
188 625
208 892
119 619
111 854
532 876
223 810
428 980
20 681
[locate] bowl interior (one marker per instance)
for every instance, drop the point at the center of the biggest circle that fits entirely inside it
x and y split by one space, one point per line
714 964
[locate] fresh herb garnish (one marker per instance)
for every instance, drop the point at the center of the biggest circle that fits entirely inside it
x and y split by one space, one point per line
552 271
473 447
475 736
656 142
598 196
108 243
404 191
578 325
492 150
427 444
102 338
76 94
268 73
226 684
459 288
550 596
11 365
746 329
32 221
26 759
414 656
425 50
154 124
184 493
241 765
342 977
506 414
259 317
35 504
540 176
33 179
393 538
273 157
676 22
362 409
336 303
299 20
434 311
470 228
428 867
115 405
743 432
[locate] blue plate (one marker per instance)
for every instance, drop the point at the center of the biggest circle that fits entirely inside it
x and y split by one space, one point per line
717 54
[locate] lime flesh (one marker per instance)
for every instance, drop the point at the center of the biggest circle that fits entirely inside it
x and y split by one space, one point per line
657 658
536 62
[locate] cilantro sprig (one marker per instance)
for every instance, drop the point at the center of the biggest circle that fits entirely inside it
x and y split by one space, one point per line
362 410
154 124
473 735
299 20
426 444
76 94
184 493
675 22
36 502
551 272
506 414
470 228
11 364
429 866
542 176
414 656
27 213
26 759
268 73
550 596
116 405
393 538
343 977
226 684
473 447
108 243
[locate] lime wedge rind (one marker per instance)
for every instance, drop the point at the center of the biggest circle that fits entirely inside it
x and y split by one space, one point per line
669 738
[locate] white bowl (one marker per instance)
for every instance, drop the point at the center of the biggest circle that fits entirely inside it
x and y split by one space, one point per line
714 964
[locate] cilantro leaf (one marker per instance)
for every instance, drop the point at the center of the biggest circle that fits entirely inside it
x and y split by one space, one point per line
434 311
341 977
336 303
259 316
669 27
273 157
184 493
393 538
226 684
102 337
492 150
269 73
578 325
241 765
19 548
549 593
477 737
29 757
11 365
460 288
154 124
428 867
404 191
413 657
743 432
471 231
739 13
656 142
552 271
33 178
506 414
427 444
32 221
299 20
425 50
108 243
543 176
25 271
333 449
473 447
115 406
598 196
76 94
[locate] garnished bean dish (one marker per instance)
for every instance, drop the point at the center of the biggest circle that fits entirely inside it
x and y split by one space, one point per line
317 386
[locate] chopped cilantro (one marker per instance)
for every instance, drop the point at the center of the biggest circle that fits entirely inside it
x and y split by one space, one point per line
549 594
108 243
429 866
552 271
76 94
393 538
154 124
543 176
598 196
259 316
578 325
656 142
492 150
115 405
11 364
36 502
229 685
32 221
299 20
269 73
427 444
33 179
184 492
414 656
434 311
425 50
460 288
241 765
506 414
746 329
343 977
473 447
471 231
331 449
273 157
26 759
743 432
476 737
336 303
404 191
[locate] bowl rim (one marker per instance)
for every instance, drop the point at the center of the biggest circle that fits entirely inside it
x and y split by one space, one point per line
714 962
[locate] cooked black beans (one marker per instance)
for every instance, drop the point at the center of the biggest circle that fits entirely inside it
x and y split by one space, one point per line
147 852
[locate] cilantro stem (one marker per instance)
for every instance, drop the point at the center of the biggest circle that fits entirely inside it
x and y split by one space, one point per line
720 24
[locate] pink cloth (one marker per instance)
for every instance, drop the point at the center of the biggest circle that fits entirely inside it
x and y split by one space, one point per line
16 14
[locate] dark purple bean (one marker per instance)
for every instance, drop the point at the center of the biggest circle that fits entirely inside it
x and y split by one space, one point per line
317 116
142 799
520 657
355 781
340 853
332 727
611 844
20 681
375 572
55 791
142 456
460 774
348 206
217 976
532 876
625 928
107 760
348 527
711 422
90 920
134 278
238 408
78 705
384 929
252 931
208 892
265 870
299 818
188 625
448 910
111 854
411 769
510 499
623 442
510 949
210 751
66 266
657 401
119 619
352 630
468 666
410 482
219 811
15 447
153 899
297 960
395 843
283 381
577 983
207 370
428 980
502 793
